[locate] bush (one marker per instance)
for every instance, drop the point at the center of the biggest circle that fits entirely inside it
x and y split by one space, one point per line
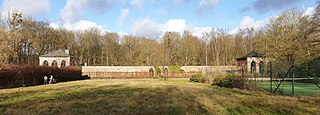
197 78
218 79
230 81
234 81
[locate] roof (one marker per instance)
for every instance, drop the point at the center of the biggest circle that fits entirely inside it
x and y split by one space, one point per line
58 53
251 54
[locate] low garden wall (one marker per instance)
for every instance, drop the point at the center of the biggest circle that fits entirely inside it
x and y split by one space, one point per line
118 72
181 74
132 72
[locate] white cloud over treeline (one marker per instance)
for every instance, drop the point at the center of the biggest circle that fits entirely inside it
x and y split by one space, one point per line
27 7
150 28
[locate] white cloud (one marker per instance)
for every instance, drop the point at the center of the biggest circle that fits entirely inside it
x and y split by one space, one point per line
248 22
199 31
149 28
54 25
74 9
78 26
310 11
234 31
205 5
123 15
28 7
83 25
71 14
121 34
176 25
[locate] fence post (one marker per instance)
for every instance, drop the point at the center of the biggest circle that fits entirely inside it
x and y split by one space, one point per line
292 81
270 75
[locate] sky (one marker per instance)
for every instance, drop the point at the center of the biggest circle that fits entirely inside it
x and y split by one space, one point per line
152 18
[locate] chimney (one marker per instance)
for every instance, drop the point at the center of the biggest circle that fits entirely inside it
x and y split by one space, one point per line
67 52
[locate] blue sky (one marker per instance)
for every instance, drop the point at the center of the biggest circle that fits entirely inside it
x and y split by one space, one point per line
152 18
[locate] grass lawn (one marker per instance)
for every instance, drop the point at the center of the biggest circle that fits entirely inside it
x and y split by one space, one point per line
286 88
149 96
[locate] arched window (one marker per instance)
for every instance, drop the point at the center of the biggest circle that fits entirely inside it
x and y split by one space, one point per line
165 72
45 62
261 67
253 67
63 63
54 63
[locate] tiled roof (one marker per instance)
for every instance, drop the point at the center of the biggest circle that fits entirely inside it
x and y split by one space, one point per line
58 53
252 54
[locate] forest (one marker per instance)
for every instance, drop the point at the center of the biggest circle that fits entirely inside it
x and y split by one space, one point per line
23 40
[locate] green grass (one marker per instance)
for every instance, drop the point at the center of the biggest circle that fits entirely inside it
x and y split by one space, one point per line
286 88
148 96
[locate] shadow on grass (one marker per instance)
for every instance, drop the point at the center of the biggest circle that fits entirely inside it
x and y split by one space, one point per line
148 97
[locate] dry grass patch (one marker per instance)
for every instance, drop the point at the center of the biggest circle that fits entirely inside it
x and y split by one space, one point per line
148 96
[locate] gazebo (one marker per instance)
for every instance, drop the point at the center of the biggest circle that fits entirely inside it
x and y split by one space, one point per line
253 62
57 58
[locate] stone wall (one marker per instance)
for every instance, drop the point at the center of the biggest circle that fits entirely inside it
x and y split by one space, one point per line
119 72
204 69
181 74
114 72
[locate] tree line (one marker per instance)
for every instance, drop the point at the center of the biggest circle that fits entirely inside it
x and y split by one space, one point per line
23 40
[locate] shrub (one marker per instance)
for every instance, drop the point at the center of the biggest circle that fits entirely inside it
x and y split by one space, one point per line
230 81
217 79
197 78
234 81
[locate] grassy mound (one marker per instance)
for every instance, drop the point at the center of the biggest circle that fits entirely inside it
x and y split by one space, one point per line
148 96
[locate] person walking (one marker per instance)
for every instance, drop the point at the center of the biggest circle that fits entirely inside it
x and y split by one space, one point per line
51 79
45 79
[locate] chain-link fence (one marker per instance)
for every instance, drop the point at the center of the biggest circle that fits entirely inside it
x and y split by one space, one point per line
288 78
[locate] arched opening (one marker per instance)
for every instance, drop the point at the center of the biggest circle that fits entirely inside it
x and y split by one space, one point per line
151 72
261 67
253 67
54 63
45 62
63 63
165 72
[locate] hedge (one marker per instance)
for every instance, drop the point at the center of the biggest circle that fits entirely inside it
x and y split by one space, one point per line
29 75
